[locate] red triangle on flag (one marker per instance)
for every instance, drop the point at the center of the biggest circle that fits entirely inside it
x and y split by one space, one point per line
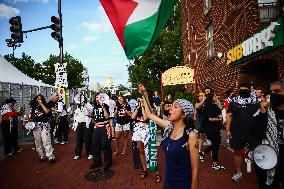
117 17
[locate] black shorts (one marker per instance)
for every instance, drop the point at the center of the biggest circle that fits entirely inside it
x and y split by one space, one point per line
238 142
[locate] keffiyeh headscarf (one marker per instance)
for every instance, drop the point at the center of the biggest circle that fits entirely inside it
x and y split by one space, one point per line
272 140
187 109
186 106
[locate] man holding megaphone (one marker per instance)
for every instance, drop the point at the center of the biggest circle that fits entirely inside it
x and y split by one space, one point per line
268 130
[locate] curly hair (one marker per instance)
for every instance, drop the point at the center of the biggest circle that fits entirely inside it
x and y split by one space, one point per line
34 102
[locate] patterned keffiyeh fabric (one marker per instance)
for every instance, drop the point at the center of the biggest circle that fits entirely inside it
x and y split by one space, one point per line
272 140
188 110
5 109
186 106
169 128
244 101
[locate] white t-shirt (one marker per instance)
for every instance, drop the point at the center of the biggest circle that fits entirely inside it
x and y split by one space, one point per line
61 110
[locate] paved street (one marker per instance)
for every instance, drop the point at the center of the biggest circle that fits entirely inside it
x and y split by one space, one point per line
24 171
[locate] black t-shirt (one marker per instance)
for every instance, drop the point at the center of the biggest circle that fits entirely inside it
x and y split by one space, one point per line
156 100
38 115
139 117
98 113
242 118
199 111
52 104
212 111
122 117
280 124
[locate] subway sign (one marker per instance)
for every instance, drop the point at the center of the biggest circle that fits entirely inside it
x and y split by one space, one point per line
263 41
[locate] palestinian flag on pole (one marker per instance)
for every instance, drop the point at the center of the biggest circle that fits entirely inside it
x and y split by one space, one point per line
138 23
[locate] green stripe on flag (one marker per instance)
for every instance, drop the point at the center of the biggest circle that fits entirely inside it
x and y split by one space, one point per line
141 36
135 45
165 11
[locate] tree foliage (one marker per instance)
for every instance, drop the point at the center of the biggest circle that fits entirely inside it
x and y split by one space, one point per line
121 87
26 65
166 53
46 71
74 70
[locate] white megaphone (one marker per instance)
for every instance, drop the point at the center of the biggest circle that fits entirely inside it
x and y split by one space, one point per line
112 104
30 125
104 98
265 157
133 104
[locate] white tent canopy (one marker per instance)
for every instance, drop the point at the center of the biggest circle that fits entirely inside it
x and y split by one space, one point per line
10 74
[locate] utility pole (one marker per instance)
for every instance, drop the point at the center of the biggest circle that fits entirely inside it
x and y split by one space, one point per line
14 48
56 33
61 36
14 45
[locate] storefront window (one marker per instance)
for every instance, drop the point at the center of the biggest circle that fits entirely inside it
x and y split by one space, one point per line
207 5
210 42
268 9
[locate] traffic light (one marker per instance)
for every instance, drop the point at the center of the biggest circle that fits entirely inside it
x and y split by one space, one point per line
16 29
55 26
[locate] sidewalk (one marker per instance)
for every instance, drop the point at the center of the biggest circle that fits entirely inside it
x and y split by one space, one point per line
23 171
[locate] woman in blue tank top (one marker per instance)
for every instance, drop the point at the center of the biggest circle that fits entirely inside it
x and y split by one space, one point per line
179 143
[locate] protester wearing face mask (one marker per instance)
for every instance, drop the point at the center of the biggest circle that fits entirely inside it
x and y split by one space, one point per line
84 131
212 127
270 127
239 121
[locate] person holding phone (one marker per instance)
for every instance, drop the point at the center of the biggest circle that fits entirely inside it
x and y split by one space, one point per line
40 116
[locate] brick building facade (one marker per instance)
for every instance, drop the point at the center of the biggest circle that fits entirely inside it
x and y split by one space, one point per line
211 28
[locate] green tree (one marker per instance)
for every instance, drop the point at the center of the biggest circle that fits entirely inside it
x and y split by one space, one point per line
166 53
46 70
26 65
121 87
74 70
38 71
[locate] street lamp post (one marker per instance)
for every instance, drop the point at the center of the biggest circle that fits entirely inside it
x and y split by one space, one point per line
14 45
14 48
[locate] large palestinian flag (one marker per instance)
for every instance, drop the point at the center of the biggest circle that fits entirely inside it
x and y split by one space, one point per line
138 23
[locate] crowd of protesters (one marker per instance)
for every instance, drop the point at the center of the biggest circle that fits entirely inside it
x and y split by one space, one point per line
251 118
248 116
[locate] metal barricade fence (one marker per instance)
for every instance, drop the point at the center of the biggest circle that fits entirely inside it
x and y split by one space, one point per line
23 94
